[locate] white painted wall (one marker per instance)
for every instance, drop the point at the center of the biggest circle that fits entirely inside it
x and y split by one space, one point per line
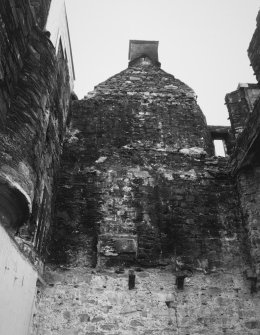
17 288
57 25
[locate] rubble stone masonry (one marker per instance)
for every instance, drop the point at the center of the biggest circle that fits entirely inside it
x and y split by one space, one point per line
82 301
135 169
34 103
141 228
139 190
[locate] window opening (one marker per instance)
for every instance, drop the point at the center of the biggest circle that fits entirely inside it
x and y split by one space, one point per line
219 147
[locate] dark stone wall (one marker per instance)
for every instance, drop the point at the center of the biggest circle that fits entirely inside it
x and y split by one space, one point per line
34 95
249 190
164 110
240 104
245 164
254 49
244 106
41 10
246 146
136 183
16 24
138 187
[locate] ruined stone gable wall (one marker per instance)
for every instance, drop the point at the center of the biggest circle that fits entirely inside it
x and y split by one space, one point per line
156 98
35 95
138 190
178 206
133 187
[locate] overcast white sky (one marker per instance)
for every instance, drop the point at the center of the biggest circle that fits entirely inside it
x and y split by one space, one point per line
201 42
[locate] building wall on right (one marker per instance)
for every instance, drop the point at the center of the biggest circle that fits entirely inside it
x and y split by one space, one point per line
240 104
254 49
244 113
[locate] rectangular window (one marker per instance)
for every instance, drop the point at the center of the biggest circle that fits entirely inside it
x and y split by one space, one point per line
219 148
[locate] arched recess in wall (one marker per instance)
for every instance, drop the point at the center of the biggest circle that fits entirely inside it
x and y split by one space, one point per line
14 207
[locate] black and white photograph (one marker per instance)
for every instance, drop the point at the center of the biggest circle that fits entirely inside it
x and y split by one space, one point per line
129 167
